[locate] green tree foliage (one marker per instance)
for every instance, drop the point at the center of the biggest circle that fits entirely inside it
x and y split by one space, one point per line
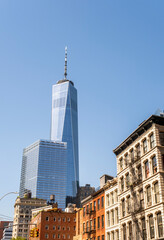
18 238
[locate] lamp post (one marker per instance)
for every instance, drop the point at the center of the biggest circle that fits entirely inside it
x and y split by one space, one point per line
8 194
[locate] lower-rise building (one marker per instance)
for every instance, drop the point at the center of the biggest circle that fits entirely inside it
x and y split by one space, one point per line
53 223
23 214
7 232
3 225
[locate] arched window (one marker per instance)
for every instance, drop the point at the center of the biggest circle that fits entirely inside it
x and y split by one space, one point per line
160 226
151 226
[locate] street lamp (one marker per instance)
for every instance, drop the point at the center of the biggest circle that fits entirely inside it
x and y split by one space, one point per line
8 194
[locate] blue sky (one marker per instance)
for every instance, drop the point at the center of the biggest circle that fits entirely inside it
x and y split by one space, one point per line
115 59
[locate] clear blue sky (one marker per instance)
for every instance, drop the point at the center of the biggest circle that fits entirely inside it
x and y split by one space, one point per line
115 58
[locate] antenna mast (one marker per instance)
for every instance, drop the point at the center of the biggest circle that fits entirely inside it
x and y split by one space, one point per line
65 68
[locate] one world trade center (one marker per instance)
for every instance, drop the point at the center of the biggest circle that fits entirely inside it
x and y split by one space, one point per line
64 127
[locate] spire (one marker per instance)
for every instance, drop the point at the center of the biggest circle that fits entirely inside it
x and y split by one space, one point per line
65 68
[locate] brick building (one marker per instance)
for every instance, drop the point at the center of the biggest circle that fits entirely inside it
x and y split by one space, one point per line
53 224
140 173
93 216
23 214
111 210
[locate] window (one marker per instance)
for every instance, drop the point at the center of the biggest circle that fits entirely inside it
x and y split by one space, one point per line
108 219
160 226
163 162
138 153
58 236
112 212
108 236
102 237
116 196
151 225
121 164
139 172
47 218
94 205
145 146
154 164
68 236
90 224
122 184
146 169
83 228
148 193
112 235
68 219
107 200
64 219
161 136
130 231
54 227
128 204
87 209
132 155
90 206
59 228
143 228
124 232
102 220
126 160
98 204
87 227
112 198
102 202
46 235
98 238
117 218
156 192
123 207
54 219
152 143
141 198
84 212
137 230
117 235
98 222
94 223
127 180
46 227
63 236
54 236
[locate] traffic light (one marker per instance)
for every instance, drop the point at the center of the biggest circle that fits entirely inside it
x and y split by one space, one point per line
37 232
32 233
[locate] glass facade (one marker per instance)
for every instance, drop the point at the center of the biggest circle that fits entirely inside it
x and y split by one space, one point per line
64 128
44 171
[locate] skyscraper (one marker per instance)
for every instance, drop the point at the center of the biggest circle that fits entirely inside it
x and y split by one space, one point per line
64 126
44 171
52 167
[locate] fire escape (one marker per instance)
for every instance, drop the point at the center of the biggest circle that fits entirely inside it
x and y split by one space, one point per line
91 227
136 205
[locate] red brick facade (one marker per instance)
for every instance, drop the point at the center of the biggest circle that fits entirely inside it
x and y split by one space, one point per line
93 217
54 224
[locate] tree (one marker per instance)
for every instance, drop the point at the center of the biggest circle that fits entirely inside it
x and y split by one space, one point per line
18 238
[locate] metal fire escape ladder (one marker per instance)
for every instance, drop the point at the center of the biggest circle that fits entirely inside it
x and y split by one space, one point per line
135 205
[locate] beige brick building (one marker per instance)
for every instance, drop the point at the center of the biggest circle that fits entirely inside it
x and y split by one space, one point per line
140 173
111 210
23 214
